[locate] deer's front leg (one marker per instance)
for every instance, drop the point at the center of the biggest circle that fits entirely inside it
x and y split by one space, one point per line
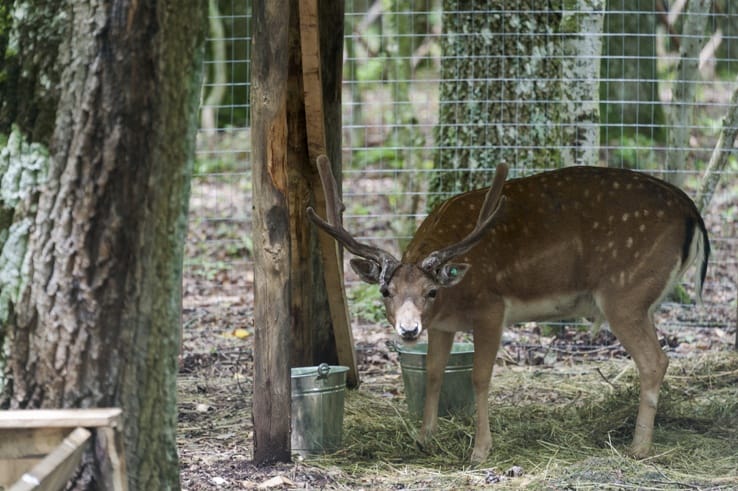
439 347
486 343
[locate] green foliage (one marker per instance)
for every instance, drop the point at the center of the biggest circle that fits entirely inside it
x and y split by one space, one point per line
679 295
364 303
372 70
6 51
215 165
635 152
367 157
205 268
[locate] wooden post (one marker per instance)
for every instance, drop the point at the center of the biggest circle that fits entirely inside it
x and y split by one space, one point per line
271 232
316 133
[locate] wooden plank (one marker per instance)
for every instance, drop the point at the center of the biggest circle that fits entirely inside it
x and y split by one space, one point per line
55 470
60 418
12 469
315 123
19 443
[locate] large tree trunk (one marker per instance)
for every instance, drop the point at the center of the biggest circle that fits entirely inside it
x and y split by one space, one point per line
102 99
581 25
499 90
680 114
629 91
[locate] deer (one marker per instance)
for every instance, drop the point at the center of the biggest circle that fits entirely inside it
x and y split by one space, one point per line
602 243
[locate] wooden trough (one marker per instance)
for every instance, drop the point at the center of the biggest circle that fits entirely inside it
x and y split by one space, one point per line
40 449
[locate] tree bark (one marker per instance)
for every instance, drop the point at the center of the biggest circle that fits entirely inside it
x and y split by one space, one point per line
494 69
681 110
724 148
104 135
581 25
629 94
726 19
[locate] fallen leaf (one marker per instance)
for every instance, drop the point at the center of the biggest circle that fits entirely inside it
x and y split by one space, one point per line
241 333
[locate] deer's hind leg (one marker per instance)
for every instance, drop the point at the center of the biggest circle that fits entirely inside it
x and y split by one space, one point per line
635 330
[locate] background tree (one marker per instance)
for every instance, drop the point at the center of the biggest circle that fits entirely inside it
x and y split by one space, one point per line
98 116
489 81
726 19
680 113
629 94
580 22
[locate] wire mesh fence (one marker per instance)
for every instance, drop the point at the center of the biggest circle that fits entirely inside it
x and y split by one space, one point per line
435 93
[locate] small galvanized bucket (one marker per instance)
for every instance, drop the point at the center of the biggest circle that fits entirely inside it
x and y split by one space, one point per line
457 392
317 408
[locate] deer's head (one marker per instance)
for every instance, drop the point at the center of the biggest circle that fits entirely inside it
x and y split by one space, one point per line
409 291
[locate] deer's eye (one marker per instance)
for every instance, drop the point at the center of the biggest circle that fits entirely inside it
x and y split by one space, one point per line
432 293
384 291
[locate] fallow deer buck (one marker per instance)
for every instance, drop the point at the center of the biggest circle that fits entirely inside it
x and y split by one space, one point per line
588 242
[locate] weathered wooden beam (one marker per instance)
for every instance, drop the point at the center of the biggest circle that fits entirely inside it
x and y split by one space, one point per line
271 232
60 418
28 436
312 62
56 469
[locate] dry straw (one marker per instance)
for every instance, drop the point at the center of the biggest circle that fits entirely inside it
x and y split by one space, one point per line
565 428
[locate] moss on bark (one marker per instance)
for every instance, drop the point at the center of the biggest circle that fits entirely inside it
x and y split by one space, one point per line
499 91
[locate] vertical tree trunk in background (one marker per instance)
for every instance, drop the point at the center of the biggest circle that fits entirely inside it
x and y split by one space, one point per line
726 19
99 108
680 112
629 91
499 92
581 26
399 21
271 230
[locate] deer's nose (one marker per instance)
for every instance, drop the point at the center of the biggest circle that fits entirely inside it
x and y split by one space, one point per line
409 331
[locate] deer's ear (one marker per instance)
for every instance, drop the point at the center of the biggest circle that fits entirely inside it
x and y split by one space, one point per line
368 271
451 274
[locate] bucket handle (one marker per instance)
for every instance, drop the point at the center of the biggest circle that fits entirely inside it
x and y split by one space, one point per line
323 370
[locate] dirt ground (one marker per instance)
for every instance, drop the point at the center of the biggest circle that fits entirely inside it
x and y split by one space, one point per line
215 380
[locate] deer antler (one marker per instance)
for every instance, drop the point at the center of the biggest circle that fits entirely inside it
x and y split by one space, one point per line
334 208
492 202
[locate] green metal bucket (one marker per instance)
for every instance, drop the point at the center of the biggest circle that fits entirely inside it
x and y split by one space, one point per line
457 392
317 408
